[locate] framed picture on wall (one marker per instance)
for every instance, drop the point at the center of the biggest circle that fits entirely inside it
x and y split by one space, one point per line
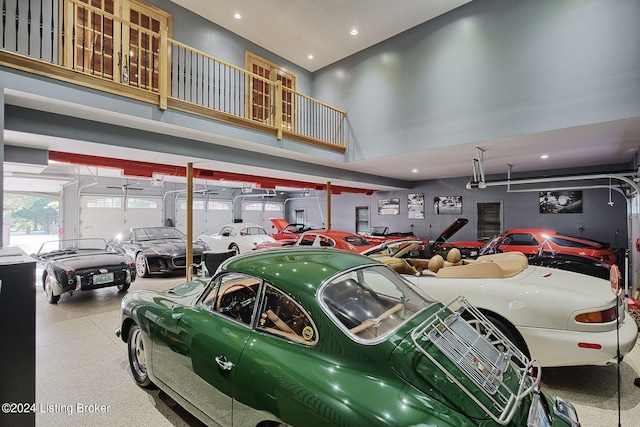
415 207
389 207
447 205
560 202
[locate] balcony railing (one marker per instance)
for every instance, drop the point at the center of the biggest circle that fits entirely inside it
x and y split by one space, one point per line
72 40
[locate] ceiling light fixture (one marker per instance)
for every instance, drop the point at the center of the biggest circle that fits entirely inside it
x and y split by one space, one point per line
414 170
310 56
354 32
237 15
544 156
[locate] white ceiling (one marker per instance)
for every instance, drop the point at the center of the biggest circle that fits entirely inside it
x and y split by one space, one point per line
296 29
321 27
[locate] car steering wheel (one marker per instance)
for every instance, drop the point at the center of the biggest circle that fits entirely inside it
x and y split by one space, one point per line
235 308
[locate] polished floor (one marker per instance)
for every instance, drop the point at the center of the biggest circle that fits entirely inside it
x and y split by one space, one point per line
83 377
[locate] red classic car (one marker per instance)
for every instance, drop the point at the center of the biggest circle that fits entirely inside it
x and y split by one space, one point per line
531 240
381 234
286 230
325 238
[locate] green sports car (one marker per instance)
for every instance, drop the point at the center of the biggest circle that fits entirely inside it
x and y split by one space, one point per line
322 337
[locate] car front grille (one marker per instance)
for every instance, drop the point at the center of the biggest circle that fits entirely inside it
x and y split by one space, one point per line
181 262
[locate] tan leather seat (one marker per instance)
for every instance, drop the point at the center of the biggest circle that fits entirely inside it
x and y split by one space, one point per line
453 257
435 263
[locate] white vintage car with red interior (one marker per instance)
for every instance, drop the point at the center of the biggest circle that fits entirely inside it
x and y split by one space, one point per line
238 237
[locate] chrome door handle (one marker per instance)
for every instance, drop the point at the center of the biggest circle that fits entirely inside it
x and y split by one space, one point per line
224 363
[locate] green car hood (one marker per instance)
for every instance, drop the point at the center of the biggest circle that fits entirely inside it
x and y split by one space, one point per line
185 294
415 368
188 289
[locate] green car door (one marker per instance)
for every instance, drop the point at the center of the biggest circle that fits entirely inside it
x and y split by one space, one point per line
197 349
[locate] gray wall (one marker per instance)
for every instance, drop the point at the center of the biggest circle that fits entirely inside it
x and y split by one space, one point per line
490 69
520 210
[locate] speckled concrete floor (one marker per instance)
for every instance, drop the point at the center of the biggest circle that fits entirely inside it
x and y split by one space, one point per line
83 376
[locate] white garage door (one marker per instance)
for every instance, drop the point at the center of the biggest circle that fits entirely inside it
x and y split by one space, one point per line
208 215
104 216
260 212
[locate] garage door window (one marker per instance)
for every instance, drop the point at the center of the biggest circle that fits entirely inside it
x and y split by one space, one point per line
218 206
197 205
272 207
105 202
142 204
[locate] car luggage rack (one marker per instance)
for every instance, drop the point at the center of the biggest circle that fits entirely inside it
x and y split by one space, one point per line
479 359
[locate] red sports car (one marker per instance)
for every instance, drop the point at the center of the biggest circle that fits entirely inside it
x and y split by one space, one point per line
325 238
530 240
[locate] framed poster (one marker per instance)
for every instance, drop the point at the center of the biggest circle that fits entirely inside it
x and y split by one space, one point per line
560 202
389 207
447 205
415 207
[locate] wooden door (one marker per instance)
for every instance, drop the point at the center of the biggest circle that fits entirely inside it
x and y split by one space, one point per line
116 39
261 93
143 59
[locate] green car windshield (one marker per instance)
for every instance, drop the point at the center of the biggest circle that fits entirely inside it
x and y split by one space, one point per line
370 303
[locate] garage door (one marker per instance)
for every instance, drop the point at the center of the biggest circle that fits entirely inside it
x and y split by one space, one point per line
208 215
104 216
260 212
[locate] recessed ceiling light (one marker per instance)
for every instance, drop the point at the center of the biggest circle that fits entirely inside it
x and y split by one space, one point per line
237 15
414 170
544 156
354 32
310 56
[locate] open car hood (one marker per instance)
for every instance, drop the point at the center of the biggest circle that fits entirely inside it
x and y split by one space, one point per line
279 223
452 229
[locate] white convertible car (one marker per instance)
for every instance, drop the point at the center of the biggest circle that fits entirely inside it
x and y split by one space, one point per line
239 237
559 317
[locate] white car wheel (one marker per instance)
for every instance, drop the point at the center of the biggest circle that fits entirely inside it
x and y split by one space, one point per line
48 290
141 265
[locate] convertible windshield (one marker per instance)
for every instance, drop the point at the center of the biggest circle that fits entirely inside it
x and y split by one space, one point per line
71 246
158 233
371 302
356 241
491 247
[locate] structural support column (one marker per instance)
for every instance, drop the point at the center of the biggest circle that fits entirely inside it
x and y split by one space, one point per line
189 259
328 205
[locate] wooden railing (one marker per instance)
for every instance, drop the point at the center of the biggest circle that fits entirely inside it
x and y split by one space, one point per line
73 41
